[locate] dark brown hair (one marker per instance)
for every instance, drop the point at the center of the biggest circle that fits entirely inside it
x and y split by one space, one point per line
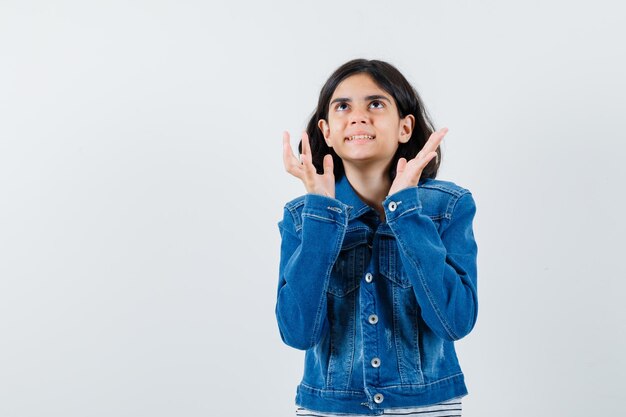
407 101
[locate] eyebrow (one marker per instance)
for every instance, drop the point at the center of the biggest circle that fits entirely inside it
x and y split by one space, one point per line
367 98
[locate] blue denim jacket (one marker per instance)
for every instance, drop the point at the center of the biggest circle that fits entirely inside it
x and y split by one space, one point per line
378 305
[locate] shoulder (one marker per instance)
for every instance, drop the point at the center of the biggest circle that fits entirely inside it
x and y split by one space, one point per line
291 215
293 210
453 189
295 203
440 198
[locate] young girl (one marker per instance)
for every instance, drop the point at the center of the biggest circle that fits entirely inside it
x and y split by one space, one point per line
377 274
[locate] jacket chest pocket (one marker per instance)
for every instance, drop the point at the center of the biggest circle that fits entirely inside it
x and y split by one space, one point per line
350 264
390 264
389 261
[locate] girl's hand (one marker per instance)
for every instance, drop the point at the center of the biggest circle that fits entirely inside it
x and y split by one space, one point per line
408 173
305 170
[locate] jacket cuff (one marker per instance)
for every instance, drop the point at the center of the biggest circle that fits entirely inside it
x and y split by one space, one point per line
321 207
401 202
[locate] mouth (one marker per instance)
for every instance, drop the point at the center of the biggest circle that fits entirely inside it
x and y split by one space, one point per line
359 138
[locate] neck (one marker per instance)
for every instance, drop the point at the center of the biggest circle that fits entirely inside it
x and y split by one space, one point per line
371 186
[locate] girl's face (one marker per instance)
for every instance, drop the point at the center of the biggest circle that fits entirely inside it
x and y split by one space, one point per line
363 122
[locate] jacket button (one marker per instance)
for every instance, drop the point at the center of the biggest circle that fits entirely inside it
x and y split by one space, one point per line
375 362
373 319
369 277
378 398
392 206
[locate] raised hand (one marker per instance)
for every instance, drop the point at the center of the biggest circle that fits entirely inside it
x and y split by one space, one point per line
305 170
408 173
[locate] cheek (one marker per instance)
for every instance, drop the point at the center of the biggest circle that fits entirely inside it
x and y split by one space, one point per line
389 127
387 123
337 127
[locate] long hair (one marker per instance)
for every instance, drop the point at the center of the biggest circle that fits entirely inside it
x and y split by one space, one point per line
407 101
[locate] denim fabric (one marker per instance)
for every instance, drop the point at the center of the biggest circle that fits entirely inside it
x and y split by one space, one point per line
378 305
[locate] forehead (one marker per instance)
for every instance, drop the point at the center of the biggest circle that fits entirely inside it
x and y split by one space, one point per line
358 86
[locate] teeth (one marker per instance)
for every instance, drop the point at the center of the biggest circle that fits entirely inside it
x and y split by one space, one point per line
360 137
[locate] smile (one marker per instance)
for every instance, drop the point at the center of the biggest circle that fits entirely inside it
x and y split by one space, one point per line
357 137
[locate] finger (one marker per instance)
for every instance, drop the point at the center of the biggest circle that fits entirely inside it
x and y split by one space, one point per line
292 165
413 169
307 157
435 138
438 137
422 161
307 168
433 142
328 165
401 166
288 156
306 147
439 134
427 159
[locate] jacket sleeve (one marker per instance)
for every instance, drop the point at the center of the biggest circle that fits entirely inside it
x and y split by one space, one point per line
442 268
310 246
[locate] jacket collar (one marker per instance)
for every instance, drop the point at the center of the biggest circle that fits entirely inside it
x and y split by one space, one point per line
356 207
346 194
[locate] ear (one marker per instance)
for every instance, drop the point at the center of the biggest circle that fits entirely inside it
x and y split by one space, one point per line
406 128
323 126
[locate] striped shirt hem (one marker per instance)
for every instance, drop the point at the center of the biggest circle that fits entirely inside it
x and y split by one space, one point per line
448 408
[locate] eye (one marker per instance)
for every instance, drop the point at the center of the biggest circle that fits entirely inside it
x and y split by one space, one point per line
377 104
341 106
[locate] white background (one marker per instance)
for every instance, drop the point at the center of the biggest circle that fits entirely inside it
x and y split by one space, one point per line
141 180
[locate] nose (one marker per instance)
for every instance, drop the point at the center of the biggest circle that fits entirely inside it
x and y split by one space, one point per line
358 116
